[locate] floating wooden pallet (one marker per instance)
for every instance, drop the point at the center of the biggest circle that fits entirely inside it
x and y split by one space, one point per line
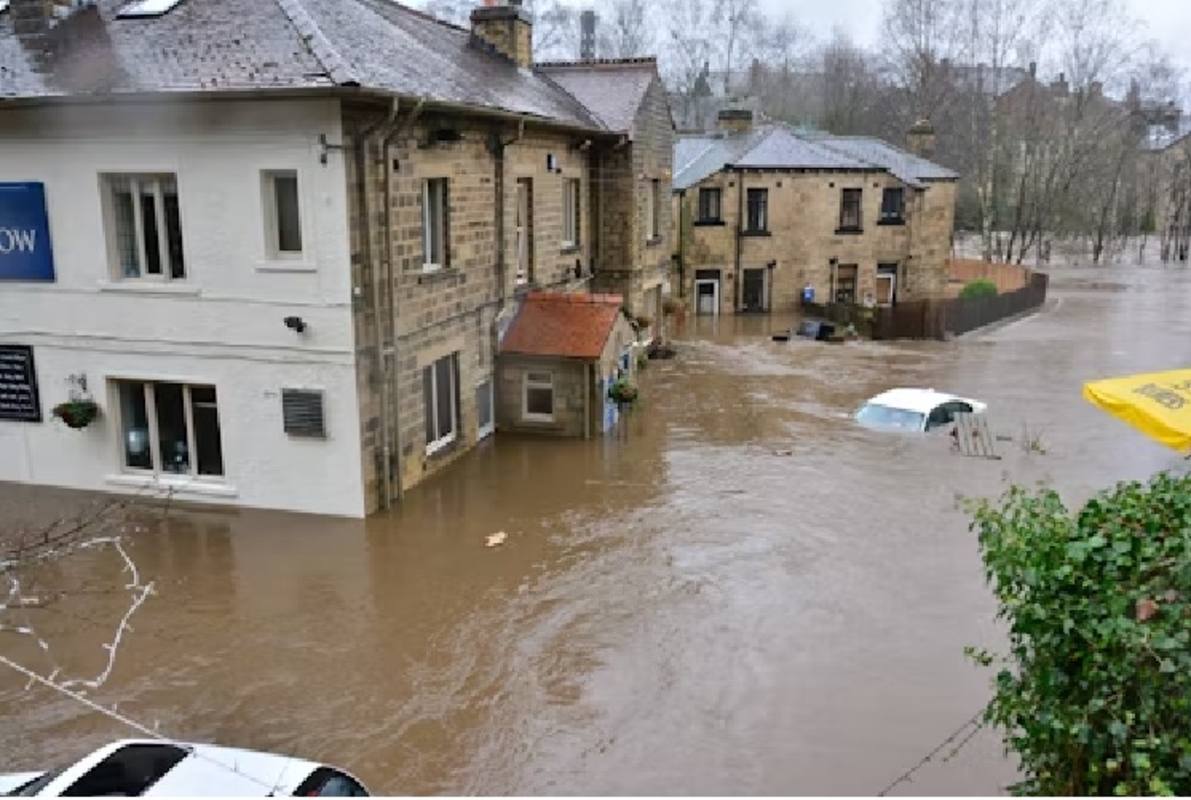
973 437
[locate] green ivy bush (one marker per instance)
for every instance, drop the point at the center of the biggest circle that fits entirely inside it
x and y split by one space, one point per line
1094 696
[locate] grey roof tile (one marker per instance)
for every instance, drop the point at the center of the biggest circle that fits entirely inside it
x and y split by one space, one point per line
907 167
213 45
612 90
763 147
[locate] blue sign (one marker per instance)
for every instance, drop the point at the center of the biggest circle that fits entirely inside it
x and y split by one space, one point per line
25 251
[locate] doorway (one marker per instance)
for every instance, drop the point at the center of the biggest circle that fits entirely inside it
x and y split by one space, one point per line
886 284
752 291
707 296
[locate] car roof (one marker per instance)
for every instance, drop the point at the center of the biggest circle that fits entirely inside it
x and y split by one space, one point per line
207 770
920 401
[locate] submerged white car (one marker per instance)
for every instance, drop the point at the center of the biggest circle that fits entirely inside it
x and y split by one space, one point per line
915 410
149 768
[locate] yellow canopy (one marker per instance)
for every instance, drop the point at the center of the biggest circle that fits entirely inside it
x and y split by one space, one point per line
1158 404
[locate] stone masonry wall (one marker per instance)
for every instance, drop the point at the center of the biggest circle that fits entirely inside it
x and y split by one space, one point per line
804 235
628 264
451 310
570 382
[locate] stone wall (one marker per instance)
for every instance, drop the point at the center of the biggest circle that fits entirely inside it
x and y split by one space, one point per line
628 263
452 310
570 382
804 236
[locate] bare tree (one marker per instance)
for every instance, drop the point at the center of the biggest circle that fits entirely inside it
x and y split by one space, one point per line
921 37
736 18
628 31
850 88
781 77
687 47
37 596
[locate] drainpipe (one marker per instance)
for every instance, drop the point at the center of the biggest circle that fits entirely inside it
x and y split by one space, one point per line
392 435
739 237
681 244
380 363
589 386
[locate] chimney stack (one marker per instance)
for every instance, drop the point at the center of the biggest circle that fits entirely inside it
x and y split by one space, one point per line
38 25
587 35
506 28
735 120
921 139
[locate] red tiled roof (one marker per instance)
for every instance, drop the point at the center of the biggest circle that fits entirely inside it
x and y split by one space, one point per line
567 325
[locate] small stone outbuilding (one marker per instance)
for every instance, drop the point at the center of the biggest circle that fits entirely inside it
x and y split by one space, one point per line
557 361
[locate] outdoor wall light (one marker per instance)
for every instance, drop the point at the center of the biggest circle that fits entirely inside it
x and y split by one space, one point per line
295 324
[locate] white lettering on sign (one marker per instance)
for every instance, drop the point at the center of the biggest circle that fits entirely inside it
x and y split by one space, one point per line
17 241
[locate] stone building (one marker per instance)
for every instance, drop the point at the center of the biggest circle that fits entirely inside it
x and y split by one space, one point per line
764 212
278 241
558 361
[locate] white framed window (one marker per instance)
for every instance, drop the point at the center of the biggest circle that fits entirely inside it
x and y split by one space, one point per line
538 397
144 226
440 394
435 227
170 428
283 213
571 220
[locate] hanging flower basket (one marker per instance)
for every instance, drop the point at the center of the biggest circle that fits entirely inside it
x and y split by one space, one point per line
643 322
622 392
77 414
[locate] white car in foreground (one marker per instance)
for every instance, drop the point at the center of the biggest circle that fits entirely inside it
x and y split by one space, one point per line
149 768
915 410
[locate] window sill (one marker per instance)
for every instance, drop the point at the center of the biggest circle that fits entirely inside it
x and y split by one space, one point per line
436 275
571 249
442 448
653 242
709 223
756 234
849 231
892 222
174 485
533 419
175 288
284 265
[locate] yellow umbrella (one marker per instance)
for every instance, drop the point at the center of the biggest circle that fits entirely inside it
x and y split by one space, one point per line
1158 404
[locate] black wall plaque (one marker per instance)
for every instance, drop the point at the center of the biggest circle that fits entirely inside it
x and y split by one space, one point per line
19 400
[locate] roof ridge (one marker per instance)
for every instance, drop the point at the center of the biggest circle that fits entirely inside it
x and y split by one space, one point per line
599 62
320 46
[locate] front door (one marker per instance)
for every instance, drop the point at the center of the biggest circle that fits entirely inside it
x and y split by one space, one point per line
752 292
886 284
707 297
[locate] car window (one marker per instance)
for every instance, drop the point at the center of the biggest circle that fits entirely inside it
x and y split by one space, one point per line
879 416
128 771
327 782
940 416
34 786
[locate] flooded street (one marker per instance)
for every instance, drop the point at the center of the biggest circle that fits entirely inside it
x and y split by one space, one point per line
740 593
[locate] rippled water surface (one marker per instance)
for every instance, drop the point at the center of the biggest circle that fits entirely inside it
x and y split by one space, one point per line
741 592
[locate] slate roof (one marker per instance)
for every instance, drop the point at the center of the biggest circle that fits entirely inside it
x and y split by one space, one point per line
612 90
908 168
223 45
563 325
773 146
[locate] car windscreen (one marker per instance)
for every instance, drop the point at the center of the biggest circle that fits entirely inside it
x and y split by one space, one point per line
878 416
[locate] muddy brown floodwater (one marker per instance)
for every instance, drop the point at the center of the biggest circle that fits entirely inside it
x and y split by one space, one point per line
680 609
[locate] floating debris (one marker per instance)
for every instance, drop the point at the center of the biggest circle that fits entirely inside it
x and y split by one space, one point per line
497 539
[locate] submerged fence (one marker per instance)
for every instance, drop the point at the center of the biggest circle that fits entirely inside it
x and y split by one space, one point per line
936 319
